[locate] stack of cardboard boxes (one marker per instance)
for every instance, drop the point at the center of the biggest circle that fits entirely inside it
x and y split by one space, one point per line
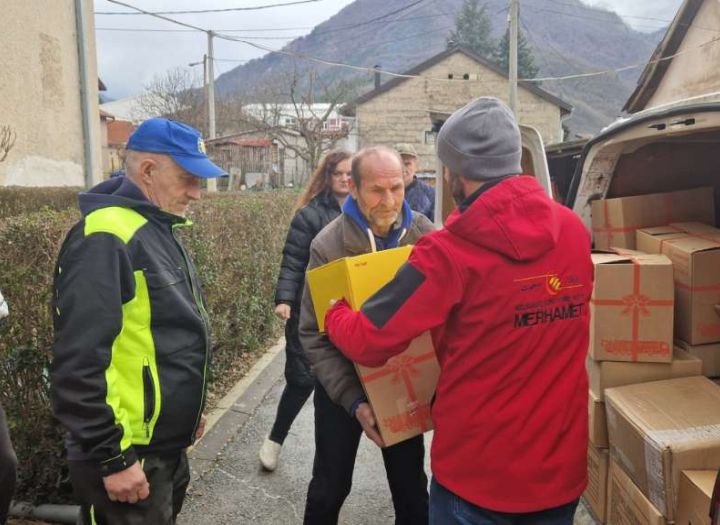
654 420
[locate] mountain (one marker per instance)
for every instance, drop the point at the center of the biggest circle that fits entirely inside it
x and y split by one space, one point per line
567 37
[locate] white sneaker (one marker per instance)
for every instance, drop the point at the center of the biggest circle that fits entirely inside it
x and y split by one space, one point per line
269 454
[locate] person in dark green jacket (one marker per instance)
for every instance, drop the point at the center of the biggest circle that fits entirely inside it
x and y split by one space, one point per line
132 336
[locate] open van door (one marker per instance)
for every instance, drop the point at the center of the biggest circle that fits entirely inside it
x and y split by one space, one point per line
534 162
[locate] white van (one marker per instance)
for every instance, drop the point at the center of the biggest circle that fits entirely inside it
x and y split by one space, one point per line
657 150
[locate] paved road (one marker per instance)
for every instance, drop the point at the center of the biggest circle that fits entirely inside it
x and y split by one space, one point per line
234 490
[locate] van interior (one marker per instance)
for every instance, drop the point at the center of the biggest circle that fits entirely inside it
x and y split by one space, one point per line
675 151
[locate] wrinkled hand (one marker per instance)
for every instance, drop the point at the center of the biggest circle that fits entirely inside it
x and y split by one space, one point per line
283 311
127 486
366 418
201 427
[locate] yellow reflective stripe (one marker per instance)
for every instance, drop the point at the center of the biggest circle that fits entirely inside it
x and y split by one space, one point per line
133 348
92 515
121 222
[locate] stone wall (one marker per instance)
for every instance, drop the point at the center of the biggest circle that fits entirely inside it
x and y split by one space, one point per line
403 114
40 89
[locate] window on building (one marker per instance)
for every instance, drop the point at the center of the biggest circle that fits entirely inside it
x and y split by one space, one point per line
430 137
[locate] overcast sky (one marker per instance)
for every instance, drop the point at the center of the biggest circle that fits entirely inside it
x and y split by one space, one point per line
129 60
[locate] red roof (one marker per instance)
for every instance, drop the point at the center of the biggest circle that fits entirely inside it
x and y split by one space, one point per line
119 131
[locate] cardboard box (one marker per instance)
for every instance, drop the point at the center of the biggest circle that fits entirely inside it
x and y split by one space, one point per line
696 490
598 422
614 221
631 309
626 503
658 429
400 392
355 279
694 250
609 374
596 492
708 354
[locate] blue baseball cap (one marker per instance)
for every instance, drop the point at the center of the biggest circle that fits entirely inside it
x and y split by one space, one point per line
180 141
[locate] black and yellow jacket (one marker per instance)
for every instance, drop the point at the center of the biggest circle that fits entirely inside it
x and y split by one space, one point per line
132 341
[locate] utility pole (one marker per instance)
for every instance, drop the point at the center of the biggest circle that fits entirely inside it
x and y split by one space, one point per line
513 58
210 60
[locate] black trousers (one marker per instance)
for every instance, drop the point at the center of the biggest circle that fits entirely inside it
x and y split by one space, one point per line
168 475
337 436
299 379
8 467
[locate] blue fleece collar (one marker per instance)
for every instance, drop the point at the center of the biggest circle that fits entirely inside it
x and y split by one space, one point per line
352 210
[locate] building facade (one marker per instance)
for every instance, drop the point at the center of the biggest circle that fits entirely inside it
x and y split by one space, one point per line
683 65
40 94
412 110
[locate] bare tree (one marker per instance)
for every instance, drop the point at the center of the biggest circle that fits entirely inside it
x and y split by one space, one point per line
179 95
176 94
7 141
296 109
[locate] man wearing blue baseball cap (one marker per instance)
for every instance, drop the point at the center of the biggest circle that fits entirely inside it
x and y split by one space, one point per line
132 338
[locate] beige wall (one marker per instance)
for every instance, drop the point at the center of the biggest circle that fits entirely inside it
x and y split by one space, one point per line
696 72
403 113
40 93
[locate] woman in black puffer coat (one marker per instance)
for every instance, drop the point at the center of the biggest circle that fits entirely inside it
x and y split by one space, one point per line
318 206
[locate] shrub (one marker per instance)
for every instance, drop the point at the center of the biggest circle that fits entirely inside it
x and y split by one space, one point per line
236 243
19 201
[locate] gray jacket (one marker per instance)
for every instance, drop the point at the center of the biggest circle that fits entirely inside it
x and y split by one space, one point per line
341 238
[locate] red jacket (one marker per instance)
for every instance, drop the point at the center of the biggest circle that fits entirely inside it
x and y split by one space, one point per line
504 289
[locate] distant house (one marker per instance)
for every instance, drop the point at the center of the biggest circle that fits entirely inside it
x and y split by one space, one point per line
251 159
41 96
684 65
119 132
129 109
412 110
287 125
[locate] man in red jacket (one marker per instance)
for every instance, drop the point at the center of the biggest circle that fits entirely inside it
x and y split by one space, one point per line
504 290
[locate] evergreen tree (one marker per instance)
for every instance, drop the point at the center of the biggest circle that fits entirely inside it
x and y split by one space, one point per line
472 29
526 60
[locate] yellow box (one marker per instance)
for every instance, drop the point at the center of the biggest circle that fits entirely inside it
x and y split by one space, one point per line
354 278
400 392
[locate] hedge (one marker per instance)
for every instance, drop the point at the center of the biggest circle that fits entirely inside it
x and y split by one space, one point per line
236 242
16 200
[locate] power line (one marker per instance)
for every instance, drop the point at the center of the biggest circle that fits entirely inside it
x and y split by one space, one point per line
637 17
141 30
400 75
195 30
372 20
202 11
617 19
254 30
625 68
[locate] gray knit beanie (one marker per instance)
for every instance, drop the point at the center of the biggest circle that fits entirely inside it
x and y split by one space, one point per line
481 141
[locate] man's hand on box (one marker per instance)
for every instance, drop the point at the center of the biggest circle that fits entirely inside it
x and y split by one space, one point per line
283 311
366 418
